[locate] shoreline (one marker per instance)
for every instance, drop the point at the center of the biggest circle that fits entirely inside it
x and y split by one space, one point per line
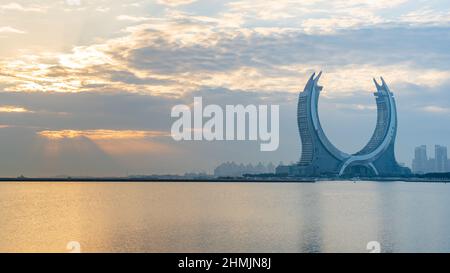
220 180
181 180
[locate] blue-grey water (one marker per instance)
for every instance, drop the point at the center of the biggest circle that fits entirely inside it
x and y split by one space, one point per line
225 217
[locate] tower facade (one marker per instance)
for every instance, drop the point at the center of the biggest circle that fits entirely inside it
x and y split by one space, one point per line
440 159
420 162
319 157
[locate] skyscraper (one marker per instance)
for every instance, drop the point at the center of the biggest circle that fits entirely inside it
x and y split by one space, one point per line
440 158
422 164
420 161
319 157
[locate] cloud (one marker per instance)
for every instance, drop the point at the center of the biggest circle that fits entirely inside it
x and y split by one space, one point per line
426 16
103 9
185 53
174 3
8 29
436 109
18 7
84 57
13 109
134 4
116 143
73 2
101 134
32 155
317 16
134 132
131 18
357 107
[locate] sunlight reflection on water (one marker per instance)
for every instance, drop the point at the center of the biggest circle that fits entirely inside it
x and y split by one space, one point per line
225 217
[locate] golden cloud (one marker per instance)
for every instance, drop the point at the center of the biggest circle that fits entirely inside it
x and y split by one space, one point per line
13 109
112 142
93 68
101 134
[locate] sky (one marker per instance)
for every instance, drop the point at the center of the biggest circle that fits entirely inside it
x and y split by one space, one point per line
87 87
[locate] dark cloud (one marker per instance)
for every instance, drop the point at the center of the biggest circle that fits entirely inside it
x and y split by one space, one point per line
114 110
424 47
84 111
32 155
348 127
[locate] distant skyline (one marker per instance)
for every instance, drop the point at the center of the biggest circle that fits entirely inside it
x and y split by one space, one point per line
86 87
423 162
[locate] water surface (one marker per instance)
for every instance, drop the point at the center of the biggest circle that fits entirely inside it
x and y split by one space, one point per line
225 217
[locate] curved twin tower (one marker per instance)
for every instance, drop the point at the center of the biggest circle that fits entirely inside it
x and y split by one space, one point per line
321 158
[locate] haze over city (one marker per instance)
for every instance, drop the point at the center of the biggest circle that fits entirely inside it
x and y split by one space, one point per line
87 87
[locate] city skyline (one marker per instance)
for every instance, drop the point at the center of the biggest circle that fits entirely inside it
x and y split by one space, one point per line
422 163
86 87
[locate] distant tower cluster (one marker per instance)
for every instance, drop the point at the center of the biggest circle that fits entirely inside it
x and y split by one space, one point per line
234 170
422 164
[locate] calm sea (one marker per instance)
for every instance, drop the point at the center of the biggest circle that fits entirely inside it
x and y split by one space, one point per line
225 217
